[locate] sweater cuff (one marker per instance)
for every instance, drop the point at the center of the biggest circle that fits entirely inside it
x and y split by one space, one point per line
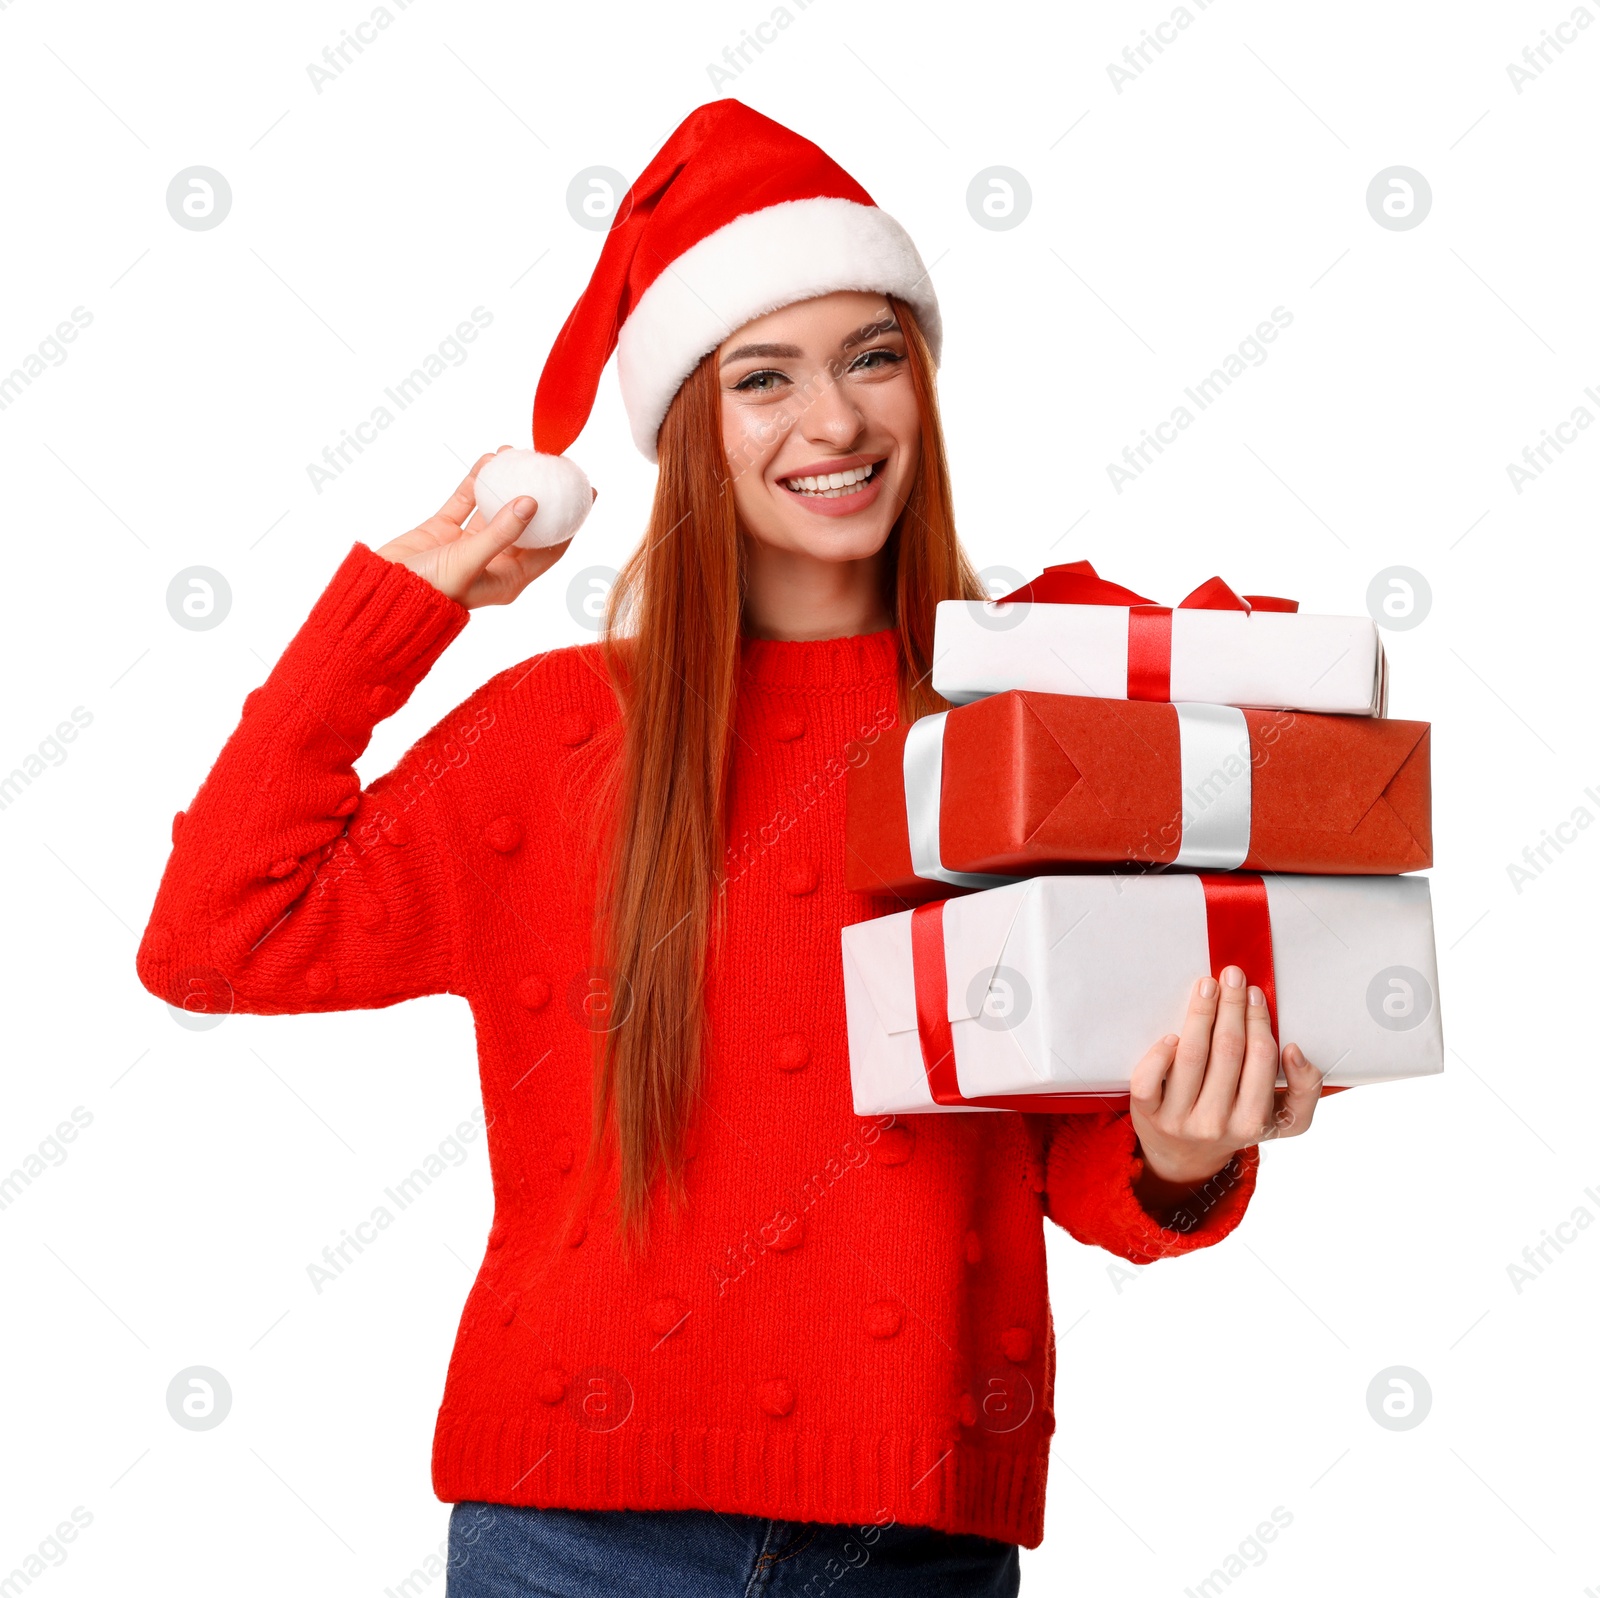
383 612
369 640
1090 1178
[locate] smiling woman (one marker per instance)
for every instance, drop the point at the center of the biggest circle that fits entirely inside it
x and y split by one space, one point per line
748 1341
745 544
822 425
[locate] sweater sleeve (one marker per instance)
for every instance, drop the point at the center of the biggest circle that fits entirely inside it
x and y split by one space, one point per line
289 888
1091 1165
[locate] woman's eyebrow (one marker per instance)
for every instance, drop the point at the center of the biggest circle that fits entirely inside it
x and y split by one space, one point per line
792 352
766 352
871 331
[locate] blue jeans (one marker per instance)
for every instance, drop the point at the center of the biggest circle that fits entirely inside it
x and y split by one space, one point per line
497 1551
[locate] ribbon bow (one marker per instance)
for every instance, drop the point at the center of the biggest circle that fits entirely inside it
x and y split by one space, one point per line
1078 583
1149 624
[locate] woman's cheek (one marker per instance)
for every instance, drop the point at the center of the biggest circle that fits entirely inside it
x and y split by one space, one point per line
890 410
905 424
759 437
751 433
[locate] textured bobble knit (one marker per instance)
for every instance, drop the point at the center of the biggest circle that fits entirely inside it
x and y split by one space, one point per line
848 1318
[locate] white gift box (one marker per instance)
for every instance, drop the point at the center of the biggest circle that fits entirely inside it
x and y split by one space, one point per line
1060 984
1261 659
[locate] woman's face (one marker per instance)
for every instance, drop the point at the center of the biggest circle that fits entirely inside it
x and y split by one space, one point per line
817 389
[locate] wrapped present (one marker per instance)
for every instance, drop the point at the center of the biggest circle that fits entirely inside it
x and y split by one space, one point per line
1021 783
1044 994
1069 631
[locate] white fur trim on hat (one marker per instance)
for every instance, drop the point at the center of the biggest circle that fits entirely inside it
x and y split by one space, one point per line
754 264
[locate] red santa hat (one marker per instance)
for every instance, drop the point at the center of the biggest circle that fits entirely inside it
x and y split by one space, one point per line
735 217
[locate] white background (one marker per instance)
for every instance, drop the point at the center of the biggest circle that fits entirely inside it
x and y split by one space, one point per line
1167 220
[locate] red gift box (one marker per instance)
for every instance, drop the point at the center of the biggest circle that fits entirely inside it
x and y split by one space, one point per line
1023 783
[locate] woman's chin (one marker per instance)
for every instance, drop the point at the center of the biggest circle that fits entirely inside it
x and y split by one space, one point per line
850 534
848 538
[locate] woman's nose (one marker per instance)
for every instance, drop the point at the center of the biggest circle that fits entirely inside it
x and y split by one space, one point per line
832 417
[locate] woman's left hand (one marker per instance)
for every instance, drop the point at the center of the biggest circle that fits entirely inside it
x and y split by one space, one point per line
1196 1100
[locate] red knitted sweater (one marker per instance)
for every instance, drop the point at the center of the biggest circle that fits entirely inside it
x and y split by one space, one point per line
849 1317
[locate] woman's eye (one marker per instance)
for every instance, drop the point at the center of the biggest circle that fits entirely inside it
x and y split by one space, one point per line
876 361
759 383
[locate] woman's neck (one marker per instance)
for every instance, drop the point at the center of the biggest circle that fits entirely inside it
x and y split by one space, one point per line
794 596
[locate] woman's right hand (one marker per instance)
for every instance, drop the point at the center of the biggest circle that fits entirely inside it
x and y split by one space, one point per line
473 562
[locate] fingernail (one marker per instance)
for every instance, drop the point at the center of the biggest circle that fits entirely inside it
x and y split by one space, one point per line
1257 996
1207 987
1171 1040
1233 976
524 508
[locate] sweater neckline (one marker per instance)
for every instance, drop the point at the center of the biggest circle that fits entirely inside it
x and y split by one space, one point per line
821 662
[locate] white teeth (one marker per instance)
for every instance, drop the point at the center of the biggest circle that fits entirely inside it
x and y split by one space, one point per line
831 484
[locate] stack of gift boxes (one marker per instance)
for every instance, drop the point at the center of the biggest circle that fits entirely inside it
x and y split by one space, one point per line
1125 797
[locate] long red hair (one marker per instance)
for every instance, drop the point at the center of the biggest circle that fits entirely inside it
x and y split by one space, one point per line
672 648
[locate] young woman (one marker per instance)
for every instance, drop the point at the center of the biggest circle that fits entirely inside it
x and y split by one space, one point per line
727 1337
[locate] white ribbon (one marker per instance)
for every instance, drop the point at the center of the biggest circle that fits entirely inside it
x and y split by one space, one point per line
1214 771
1214 776
923 769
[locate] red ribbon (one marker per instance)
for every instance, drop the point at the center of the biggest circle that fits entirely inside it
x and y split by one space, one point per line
1150 653
1149 624
1238 931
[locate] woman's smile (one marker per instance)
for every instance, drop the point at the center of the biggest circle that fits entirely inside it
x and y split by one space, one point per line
835 488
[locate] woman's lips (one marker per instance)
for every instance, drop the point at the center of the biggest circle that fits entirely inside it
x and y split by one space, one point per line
842 504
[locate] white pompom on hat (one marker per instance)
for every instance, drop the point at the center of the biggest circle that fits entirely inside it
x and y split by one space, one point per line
557 483
736 216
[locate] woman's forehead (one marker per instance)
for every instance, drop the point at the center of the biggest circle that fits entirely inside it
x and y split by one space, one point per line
828 323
